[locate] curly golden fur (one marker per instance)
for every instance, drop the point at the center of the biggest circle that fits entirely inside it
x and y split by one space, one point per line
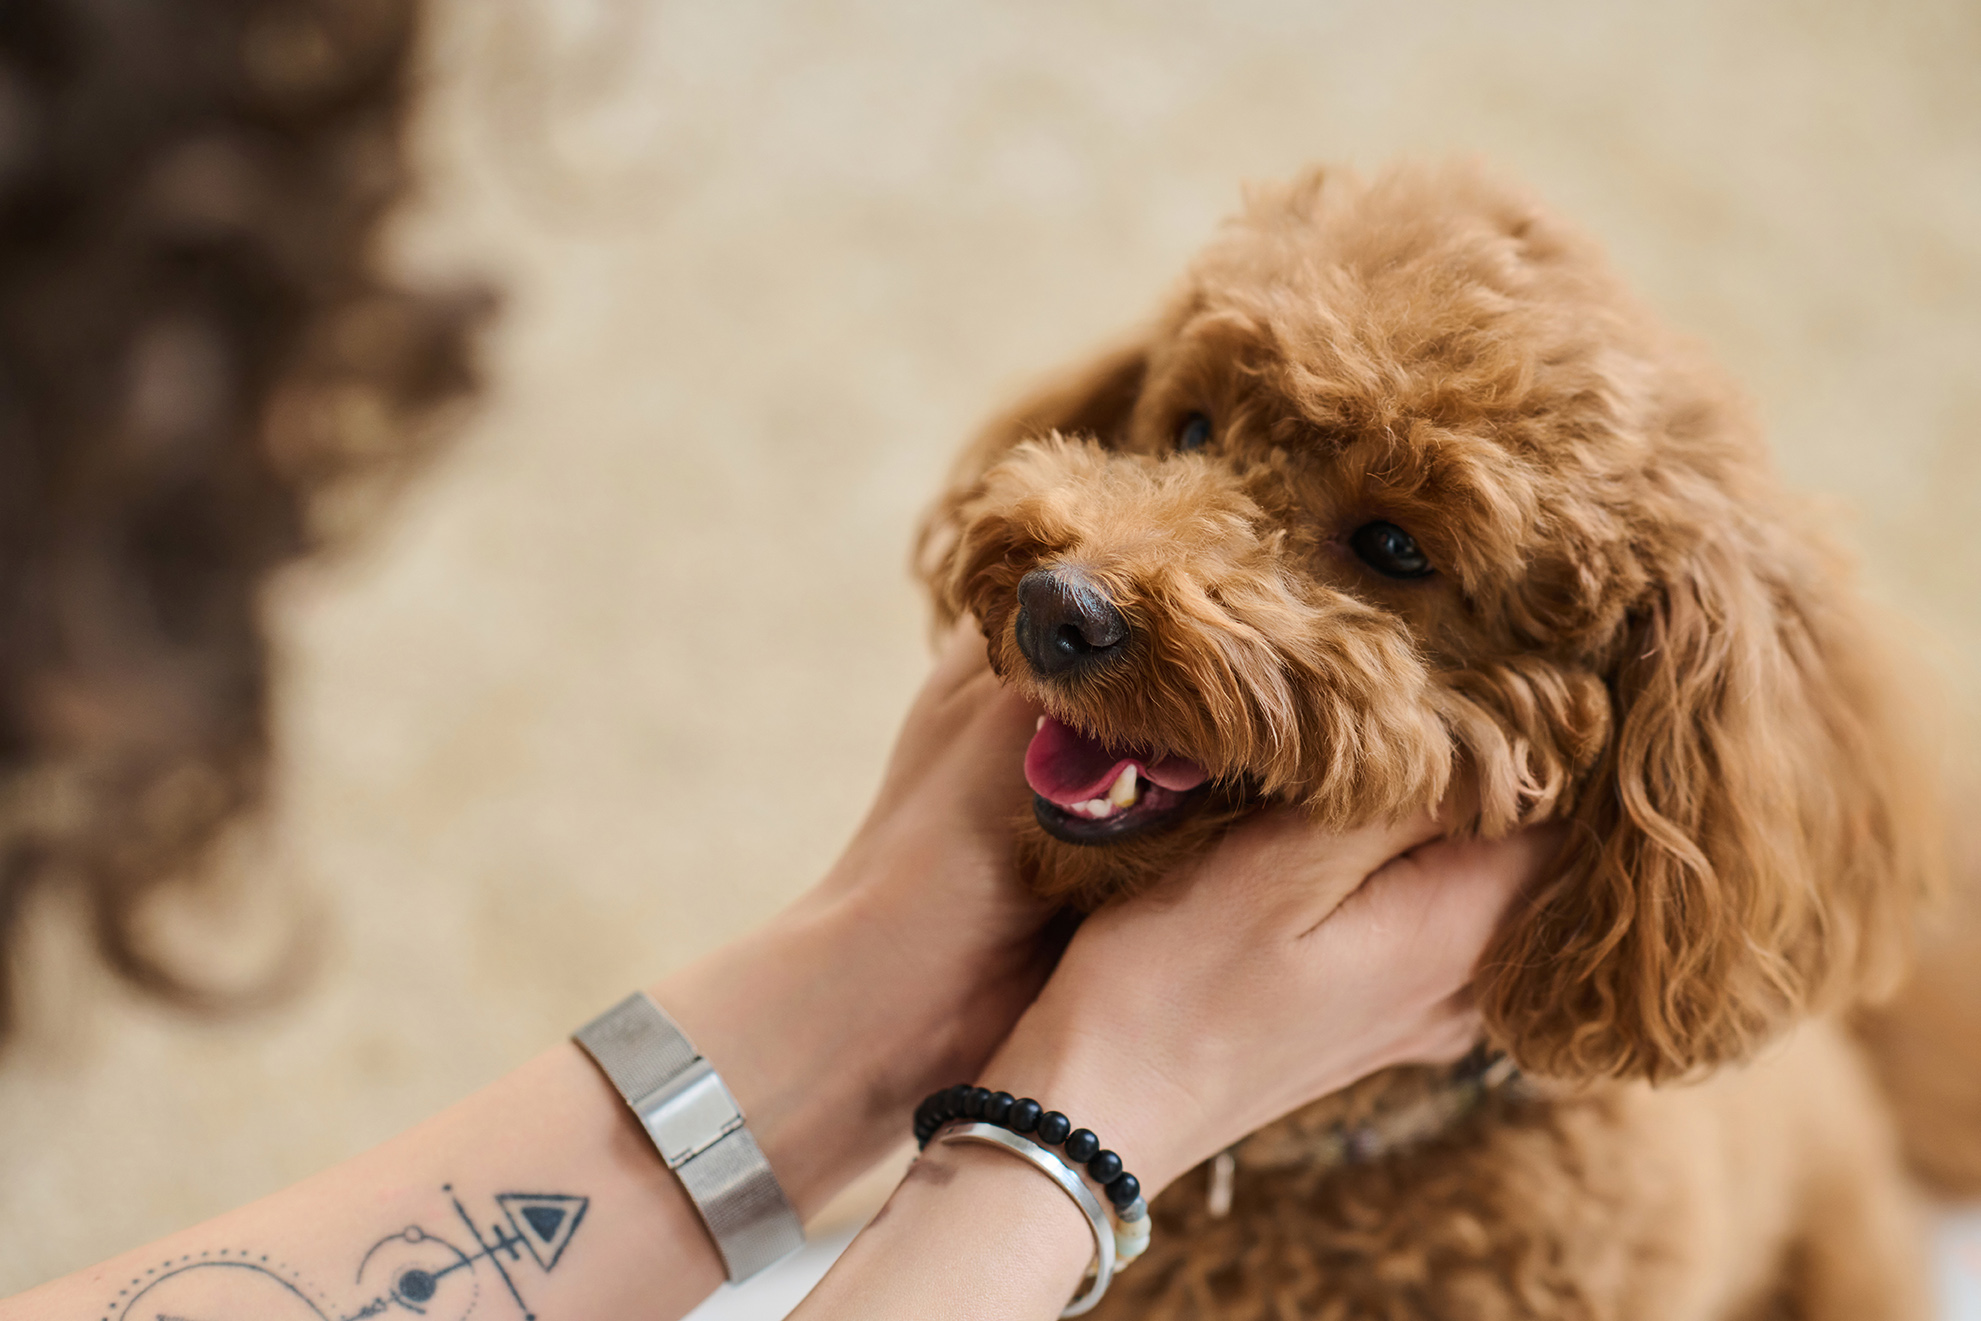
1630 628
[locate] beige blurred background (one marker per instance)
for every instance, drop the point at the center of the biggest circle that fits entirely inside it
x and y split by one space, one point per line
615 681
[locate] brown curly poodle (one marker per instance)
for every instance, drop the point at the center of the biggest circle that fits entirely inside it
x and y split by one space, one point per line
1403 499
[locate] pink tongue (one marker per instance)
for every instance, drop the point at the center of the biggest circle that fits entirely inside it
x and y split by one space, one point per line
1064 766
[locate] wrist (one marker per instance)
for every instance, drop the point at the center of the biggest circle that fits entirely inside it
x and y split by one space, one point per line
969 1232
811 1025
761 1011
1127 1099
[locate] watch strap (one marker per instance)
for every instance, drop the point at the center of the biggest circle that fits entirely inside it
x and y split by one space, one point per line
699 1131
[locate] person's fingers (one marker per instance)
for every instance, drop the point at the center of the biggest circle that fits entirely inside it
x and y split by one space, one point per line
1447 1039
1281 856
960 656
1435 907
1452 890
993 746
961 709
960 660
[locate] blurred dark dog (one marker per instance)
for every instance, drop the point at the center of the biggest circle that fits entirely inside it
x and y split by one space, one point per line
1402 500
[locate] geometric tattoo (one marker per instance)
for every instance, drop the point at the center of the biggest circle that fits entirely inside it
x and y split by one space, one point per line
417 1272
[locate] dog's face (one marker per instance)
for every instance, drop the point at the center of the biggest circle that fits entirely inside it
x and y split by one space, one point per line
1403 489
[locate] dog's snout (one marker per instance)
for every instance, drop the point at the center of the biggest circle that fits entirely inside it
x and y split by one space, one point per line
1066 622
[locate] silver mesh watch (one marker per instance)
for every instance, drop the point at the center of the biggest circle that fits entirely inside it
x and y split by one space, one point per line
698 1128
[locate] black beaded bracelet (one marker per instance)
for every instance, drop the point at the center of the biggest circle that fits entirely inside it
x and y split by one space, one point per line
1030 1119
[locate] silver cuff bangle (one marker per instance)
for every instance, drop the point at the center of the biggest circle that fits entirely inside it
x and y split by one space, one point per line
698 1129
1070 1183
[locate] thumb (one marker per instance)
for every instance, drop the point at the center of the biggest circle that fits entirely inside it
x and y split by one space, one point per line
1439 903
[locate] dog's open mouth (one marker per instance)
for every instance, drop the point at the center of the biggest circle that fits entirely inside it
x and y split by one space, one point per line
1088 793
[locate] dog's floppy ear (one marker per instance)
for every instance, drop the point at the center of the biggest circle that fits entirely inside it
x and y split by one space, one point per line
1093 401
1751 844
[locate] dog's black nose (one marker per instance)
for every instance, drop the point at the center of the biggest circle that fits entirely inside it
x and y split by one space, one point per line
1066 623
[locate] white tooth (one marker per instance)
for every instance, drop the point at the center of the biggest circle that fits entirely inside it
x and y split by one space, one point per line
1041 725
1124 793
1097 808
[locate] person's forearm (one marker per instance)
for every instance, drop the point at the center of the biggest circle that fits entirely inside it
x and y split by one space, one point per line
970 1232
538 1196
541 1195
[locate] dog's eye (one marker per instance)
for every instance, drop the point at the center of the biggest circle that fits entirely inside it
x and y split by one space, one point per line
1193 433
1390 551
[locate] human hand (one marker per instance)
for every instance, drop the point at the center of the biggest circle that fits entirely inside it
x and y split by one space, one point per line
930 870
906 966
1284 966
